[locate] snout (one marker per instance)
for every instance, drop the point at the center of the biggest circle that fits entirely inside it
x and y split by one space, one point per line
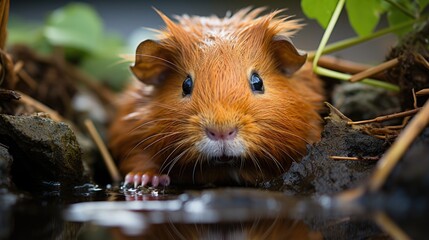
222 142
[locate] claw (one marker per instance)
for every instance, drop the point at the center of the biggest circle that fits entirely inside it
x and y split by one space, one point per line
129 178
137 179
154 180
145 179
164 180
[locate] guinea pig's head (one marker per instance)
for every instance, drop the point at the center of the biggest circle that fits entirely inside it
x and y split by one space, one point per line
227 92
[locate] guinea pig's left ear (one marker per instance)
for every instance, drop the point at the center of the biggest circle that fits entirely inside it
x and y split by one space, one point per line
289 58
151 63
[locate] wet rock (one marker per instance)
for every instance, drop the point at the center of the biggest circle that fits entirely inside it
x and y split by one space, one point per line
45 152
5 165
317 174
359 101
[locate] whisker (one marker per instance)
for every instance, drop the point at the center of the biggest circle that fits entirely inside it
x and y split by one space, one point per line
278 164
160 139
144 140
175 160
241 163
195 166
282 148
170 146
168 157
174 110
256 163
171 120
118 62
301 155
283 132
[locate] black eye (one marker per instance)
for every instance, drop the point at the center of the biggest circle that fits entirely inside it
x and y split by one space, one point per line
187 86
256 83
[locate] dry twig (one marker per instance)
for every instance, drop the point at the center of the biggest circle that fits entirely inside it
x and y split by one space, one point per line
387 117
108 160
345 66
337 158
374 70
420 59
27 79
384 222
402 143
41 107
423 92
4 10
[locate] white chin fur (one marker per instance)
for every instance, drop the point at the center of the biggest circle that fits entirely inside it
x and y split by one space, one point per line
229 148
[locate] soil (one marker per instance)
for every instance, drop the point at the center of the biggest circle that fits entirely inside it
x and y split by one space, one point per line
412 72
317 174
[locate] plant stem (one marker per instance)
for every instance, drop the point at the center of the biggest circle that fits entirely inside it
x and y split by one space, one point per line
328 32
334 74
357 40
346 77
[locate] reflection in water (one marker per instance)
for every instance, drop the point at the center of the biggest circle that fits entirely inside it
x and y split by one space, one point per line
223 214
258 229
209 214
37 221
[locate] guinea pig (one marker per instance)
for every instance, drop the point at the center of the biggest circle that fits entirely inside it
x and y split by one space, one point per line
223 101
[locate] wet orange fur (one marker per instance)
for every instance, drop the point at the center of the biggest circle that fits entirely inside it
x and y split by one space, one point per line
156 127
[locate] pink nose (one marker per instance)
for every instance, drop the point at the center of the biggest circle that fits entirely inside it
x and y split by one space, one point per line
221 134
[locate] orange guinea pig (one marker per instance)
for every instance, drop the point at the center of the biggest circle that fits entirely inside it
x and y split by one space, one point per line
221 101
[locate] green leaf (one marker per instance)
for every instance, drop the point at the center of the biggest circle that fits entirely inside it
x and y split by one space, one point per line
76 25
114 71
27 33
22 32
423 4
364 15
113 42
395 16
321 10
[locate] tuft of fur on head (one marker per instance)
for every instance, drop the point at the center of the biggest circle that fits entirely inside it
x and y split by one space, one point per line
193 31
161 130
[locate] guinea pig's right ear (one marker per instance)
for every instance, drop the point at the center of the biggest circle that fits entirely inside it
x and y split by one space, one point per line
151 63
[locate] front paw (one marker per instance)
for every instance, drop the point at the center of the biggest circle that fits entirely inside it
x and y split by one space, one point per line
146 179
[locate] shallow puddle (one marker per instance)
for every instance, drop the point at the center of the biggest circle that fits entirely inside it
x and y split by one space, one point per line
224 213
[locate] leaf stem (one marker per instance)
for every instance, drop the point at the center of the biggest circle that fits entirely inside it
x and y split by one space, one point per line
357 40
328 32
338 75
345 77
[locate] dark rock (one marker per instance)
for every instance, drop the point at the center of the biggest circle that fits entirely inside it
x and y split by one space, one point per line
5 165
317 174
45 152
359 101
